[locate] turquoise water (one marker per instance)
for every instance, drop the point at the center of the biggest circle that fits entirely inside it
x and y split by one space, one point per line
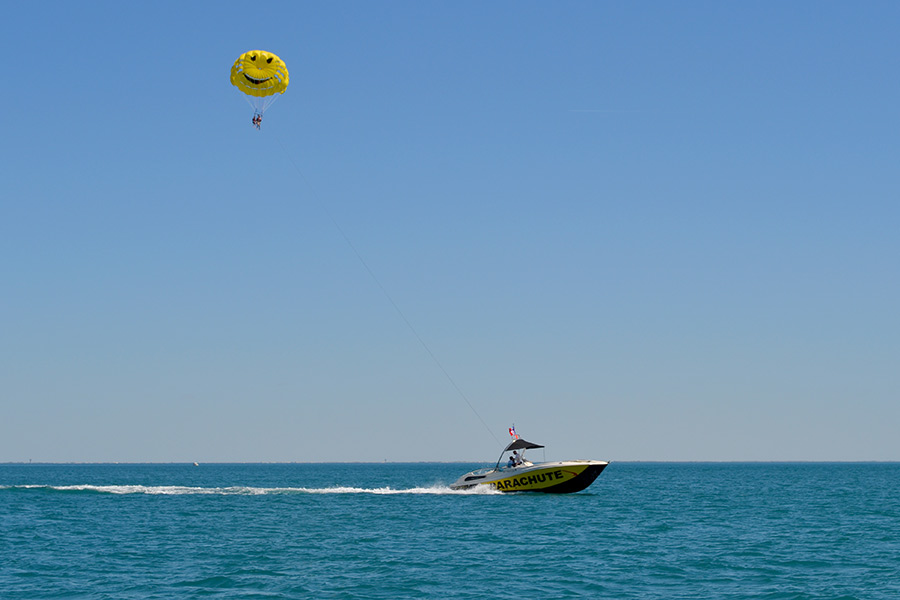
396 531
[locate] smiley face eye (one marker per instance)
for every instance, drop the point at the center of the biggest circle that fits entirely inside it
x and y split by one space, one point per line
269 60
253 58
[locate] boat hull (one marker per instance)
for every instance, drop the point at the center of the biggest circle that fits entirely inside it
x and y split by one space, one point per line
548 478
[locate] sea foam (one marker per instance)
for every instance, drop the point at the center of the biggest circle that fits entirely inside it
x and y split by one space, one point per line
175 490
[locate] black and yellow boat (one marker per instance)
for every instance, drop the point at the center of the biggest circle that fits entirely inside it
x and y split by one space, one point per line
520 475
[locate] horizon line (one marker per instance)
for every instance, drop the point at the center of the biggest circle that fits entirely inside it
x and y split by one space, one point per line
439 462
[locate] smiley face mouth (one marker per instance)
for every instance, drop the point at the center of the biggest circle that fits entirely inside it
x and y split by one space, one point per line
255 81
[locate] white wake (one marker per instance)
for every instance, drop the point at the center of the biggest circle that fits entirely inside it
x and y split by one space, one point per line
176 490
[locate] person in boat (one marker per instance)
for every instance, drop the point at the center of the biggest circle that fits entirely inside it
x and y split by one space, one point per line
517 459
511 462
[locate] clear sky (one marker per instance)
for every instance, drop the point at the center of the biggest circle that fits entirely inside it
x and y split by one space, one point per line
637 230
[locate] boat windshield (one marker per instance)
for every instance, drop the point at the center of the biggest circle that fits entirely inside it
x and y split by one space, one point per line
483 471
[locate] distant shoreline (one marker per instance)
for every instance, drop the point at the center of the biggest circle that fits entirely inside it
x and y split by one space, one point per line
458 462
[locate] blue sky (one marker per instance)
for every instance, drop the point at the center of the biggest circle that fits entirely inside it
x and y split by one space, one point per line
638 231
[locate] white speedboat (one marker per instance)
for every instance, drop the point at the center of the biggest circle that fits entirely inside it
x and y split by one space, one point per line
562 477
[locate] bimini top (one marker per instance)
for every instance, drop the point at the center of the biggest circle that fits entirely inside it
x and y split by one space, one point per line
521 444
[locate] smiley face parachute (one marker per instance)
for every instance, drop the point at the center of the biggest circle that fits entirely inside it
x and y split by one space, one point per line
262 77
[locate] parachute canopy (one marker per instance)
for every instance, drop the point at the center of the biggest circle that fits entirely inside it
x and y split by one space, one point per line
262 76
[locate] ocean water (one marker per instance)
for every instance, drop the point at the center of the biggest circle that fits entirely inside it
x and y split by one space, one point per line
774 531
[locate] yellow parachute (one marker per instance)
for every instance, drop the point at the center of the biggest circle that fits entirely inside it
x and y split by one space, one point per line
262 77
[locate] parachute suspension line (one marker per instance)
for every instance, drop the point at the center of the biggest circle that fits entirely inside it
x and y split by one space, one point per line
383 289
261 104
